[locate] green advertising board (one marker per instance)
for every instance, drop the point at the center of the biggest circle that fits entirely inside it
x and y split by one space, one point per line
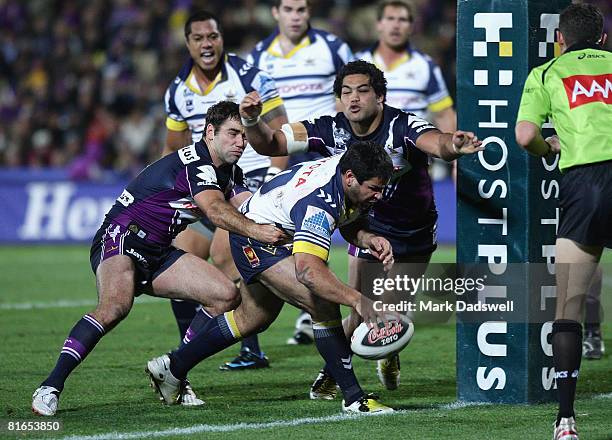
507 211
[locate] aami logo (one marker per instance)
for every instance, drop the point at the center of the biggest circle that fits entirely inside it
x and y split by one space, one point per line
584 89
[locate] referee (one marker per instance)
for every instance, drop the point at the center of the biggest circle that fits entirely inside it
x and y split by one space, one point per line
575 90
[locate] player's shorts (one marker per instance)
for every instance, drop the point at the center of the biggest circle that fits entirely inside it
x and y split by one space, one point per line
404 242
253 257
585 202
252 180
150 259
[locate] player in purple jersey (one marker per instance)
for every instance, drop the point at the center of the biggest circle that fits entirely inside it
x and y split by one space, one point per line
132 253
407 214
211 75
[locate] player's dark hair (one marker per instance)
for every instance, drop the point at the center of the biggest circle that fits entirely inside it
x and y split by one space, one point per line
277 3
581 23
395 4
221 112
377 78
201 16
367 160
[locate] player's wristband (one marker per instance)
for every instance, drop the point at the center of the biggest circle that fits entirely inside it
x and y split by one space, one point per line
272 171
249 122
455 149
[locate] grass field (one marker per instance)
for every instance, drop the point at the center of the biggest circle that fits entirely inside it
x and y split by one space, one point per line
46 289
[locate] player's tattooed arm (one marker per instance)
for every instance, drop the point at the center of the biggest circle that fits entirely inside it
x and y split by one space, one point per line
312 272
275 119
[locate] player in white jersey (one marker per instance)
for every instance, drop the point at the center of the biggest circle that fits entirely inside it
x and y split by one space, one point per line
414 82
304 62
308 201
209 76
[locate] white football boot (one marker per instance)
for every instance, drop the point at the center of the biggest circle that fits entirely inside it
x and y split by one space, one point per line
188 396
45 400
163 381
565 430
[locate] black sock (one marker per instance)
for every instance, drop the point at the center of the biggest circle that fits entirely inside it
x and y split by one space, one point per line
252 343
80 341
592 320
334 348
567 353
184 312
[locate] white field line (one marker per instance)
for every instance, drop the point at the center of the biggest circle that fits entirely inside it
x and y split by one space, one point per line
197 429
66 303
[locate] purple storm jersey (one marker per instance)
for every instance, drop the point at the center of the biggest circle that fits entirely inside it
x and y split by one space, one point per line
408 201
159 202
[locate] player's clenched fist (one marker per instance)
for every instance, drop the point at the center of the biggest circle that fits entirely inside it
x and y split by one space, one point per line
269 234
251 106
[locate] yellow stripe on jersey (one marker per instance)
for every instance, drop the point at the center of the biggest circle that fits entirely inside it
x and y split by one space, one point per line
380 63
443 104
231 321
193 85
173 125
395 64
275 48
271 104
308 248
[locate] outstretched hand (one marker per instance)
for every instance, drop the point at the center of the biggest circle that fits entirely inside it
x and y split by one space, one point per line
466 142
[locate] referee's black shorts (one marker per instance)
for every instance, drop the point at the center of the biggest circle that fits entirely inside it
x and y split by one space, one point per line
585 203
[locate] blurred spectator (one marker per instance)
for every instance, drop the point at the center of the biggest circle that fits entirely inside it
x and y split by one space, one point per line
82 81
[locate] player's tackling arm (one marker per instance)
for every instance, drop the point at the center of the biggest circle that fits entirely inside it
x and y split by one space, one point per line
449 146
291 138
225 216
275 119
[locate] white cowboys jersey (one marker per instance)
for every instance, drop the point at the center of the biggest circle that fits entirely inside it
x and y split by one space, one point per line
186 104
305 76
414 83
307 201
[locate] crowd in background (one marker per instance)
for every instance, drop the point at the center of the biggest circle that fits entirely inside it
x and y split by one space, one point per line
82 81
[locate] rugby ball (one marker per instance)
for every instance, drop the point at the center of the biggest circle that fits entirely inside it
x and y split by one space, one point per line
382 340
